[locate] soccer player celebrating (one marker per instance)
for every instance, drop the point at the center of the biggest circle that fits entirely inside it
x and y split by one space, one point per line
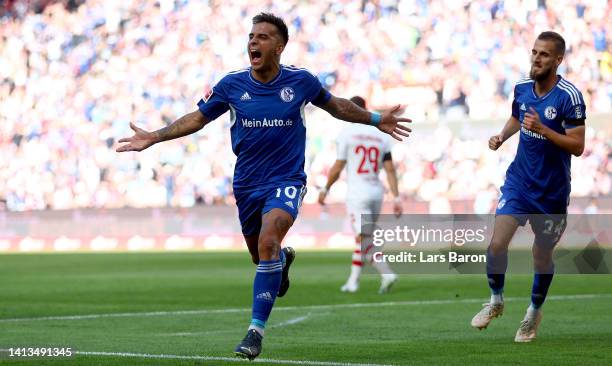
549 111
363 150
268 132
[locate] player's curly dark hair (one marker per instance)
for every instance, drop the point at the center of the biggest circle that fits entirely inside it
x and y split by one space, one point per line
276 21
556 39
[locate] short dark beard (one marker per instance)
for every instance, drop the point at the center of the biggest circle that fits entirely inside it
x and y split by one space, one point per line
540 77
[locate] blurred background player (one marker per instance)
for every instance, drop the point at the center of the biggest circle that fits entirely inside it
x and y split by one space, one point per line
549 112
268 134
363 151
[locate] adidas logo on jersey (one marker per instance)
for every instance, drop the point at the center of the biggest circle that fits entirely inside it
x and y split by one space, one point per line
245 96
290 204
265 296
523 108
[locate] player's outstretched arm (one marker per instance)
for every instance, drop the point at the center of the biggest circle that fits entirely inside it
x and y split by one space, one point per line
510 128
332 177
572 141
188 124
387 122
392 180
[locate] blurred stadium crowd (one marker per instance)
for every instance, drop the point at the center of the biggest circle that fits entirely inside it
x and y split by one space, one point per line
72 77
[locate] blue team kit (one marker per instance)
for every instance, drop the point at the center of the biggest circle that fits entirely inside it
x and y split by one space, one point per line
268 133
538 180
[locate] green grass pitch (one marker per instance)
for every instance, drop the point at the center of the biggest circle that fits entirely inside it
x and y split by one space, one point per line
314 323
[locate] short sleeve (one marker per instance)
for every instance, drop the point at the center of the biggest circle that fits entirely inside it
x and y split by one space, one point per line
574 108
316 93
215 102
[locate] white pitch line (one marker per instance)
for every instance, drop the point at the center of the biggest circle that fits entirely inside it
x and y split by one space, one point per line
299 319
290 308
122 315
191 334
227 359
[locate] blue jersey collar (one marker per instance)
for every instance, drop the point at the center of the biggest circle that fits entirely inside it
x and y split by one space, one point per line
559 78
271 82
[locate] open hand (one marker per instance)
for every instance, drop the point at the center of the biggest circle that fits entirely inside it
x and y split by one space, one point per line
389 123
140 141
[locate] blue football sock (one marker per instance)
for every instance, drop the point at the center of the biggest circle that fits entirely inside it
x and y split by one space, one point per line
541 283
265 287
496 271
496 282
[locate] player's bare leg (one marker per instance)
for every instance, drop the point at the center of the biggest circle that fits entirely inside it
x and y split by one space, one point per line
275 225
497 262
252 242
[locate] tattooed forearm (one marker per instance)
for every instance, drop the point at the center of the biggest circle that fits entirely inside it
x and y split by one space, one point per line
346 110
186 125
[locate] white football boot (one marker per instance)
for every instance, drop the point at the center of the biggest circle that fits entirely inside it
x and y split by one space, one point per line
350 286
529 327
388 279
488 313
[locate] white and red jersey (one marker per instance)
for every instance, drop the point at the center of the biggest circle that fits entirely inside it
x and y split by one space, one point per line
363 148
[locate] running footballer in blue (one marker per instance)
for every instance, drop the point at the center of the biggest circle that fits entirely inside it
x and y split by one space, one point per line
548 112
266 102
268 133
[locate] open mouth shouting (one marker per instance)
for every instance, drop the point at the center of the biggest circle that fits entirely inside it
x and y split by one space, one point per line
255 56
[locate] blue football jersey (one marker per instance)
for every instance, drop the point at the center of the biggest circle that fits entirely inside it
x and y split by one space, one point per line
541 170
268 129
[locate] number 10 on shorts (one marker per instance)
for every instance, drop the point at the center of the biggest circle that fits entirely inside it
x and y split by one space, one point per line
290 193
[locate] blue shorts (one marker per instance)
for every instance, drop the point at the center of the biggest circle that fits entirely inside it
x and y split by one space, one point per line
252 205
547 226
